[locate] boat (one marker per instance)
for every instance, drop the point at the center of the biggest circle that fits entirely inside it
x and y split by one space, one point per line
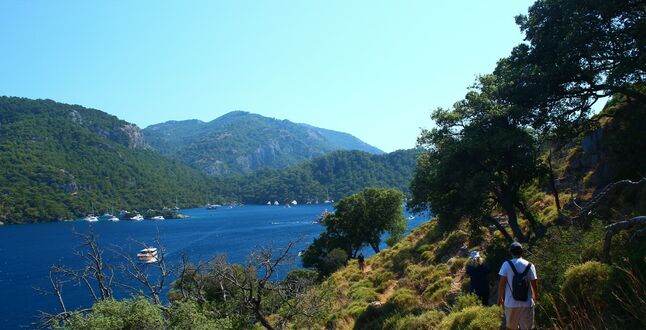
158 217
411 217
147 255
176 208
113 218
212 206
294 202
269 203
137 217
276 203
91 218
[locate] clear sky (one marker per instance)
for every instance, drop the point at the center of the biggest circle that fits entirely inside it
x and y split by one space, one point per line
375 69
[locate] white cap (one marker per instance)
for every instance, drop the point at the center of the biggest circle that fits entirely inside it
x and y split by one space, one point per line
474 254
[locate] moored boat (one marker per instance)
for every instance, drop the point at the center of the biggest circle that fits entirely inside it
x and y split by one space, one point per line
158 217
147 255
137 217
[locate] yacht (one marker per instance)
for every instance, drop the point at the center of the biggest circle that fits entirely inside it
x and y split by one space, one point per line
294 202
158 217
113 218
212 206
137 217
276 203
147 255
269 203
91 218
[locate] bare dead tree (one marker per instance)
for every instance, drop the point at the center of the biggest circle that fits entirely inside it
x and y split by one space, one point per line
614 228
96 275
247 287
152 282
588 207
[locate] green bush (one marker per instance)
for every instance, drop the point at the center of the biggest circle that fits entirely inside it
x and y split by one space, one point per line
427 321
362 291
465 300
474 318
136 313
450 245
188 315
405 299
587 283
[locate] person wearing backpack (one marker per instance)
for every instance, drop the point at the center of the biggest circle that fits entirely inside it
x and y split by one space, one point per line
518 290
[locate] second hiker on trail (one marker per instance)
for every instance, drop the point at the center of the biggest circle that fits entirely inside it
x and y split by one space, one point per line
361 261
479 274
518 289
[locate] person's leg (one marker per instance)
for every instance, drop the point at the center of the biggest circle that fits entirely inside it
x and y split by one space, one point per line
526 318
511 318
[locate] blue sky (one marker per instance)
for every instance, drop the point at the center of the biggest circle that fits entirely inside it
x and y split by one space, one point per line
375 69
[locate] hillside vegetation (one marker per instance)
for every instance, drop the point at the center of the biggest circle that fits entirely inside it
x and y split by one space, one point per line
59 161
240 142
335 175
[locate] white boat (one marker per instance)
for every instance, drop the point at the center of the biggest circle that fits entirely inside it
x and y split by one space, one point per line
276 203
147 255
158 217
91 218
294 202
269 203
113 218
137 217
327 202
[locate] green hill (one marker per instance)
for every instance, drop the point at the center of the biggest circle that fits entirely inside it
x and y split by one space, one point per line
57 161
332 176
240 142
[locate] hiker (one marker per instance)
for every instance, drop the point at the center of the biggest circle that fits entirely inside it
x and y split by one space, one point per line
518 290
361 261
479 274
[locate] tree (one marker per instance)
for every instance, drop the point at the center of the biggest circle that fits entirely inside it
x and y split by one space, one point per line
364 217
477 159
576 52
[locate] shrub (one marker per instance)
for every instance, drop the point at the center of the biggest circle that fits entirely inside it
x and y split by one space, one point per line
136 313
587 283
405 299
451 244
465 300
188 315
473 318
456 264
362 291
427 321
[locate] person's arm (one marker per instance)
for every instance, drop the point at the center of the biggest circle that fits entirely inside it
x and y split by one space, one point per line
501 290
534 285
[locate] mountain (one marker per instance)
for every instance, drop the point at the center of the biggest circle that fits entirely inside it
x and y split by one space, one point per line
240 142
331 176
58 161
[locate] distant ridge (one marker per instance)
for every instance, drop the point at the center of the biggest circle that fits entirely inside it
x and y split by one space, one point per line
240 142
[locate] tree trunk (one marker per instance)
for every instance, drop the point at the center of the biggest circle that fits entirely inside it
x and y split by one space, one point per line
555 190
500 228
261 318
509 208
537 227
375 247
611 230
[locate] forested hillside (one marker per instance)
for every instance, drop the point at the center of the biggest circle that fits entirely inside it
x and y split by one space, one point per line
240 142
59 161
332 176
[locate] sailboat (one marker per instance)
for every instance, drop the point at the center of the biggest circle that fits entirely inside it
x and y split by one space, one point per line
268 202
176 207
91 217
294 202
276 203
111 216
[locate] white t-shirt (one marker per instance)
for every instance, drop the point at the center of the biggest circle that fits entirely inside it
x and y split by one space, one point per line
506 270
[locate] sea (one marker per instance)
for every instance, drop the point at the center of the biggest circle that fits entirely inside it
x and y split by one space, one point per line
27 252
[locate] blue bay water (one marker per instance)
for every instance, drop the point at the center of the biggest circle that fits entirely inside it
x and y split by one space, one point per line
28 251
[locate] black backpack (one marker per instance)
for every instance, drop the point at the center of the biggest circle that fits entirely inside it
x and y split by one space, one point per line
520 283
